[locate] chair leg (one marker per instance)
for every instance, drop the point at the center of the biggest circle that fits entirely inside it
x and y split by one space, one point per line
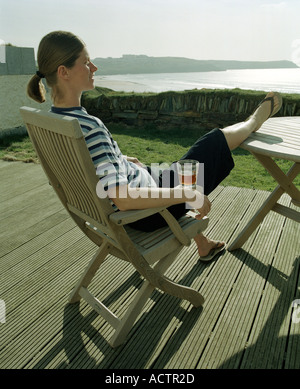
181 291
144 293
90 271
132 313
170 287
123 326
139 301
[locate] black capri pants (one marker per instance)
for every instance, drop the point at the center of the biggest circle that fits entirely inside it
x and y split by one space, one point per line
213 152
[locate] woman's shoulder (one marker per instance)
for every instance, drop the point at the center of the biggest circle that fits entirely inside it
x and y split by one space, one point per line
80 113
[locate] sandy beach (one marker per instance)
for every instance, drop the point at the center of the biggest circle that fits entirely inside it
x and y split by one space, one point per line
122 86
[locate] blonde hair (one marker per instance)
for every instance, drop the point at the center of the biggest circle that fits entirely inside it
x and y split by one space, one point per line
55 49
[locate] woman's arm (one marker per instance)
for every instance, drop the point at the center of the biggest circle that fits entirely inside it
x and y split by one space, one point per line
126 198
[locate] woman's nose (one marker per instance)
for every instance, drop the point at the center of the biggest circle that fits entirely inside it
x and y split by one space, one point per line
93 67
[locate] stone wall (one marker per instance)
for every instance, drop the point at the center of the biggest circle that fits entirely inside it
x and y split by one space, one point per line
205 109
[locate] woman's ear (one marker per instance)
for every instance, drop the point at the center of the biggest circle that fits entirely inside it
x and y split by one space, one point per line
62 72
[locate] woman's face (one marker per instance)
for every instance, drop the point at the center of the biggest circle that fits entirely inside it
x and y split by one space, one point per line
82 73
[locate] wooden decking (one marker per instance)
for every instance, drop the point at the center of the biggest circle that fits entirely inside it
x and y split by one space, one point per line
246 321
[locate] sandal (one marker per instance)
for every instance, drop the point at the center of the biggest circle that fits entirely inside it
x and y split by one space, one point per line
271 99
213 252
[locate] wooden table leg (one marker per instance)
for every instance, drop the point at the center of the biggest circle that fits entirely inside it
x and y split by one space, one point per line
285 181
269 203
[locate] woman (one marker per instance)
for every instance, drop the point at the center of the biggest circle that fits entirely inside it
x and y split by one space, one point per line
64 62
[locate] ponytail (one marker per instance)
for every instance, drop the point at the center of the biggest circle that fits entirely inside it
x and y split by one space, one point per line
36 89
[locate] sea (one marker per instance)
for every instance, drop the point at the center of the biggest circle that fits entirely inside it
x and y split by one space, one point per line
280 80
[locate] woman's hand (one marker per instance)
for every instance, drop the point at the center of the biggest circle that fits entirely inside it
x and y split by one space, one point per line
204 210
135 160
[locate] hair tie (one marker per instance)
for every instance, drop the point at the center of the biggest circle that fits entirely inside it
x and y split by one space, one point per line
39 74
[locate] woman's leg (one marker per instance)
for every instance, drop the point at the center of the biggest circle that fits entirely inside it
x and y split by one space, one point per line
237 133
234 136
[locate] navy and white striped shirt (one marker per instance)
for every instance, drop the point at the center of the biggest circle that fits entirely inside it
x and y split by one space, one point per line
111 165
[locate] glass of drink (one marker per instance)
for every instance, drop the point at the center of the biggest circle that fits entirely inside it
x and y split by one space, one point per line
187 173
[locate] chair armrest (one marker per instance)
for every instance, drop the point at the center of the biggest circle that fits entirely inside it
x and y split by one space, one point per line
175 227
125 217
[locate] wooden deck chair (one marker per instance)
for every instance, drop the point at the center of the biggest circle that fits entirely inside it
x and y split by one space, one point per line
63 154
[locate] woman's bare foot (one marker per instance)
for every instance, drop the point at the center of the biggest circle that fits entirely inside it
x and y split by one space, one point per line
267 108
205 245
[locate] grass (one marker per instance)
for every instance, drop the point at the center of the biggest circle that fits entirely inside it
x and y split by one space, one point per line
17 148
151 145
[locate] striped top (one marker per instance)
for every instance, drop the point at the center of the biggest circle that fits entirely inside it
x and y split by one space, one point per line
111 165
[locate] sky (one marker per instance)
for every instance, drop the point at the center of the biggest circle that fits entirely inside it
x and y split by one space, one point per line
249 30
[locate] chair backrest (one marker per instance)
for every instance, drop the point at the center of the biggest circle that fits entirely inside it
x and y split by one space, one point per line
63 154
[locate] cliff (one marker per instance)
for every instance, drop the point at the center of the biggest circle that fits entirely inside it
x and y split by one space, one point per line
142 64
203 108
